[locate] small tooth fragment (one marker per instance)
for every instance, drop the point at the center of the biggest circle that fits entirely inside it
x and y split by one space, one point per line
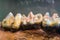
9 15
38 18
7 22
30 17
47 19
47 15
57 21
24 19
17 21
54 16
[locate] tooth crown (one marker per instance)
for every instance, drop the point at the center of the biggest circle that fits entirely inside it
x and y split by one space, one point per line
23 19
8 20
39 18
15 22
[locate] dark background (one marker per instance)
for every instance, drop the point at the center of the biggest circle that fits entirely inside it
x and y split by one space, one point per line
25 6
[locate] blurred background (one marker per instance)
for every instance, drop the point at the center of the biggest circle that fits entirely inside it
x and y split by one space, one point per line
25 6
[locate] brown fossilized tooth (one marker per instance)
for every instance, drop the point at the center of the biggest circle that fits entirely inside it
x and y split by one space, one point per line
17 21
7 22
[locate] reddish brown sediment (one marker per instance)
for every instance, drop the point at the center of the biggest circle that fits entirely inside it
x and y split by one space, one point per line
28 35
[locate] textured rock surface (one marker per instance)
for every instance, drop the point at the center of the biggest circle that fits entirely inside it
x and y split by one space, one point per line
28 35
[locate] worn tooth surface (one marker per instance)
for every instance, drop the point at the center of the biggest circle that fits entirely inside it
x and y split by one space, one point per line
24 19
31 17
17 21
56 18
38 18
55 15
46 20
7 22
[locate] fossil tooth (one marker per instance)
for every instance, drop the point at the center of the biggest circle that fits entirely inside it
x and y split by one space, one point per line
17 21
24 19
47 19
31 17
38 18
7 22
55 18
55 15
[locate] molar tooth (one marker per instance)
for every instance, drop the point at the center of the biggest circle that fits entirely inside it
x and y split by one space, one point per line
47 19
38 18
24 19
54 16
7 22
17 21
31 17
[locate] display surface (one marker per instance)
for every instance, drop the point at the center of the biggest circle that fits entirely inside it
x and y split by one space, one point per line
25 6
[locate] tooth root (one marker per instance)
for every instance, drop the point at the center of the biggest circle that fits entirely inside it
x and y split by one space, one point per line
7 22
17 21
